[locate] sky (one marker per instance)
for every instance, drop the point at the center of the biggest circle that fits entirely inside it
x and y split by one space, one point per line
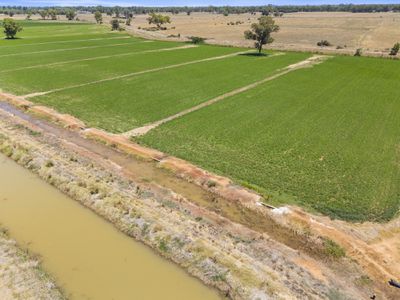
184 2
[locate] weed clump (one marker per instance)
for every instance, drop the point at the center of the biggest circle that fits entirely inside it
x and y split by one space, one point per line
49 164
163 246
333 250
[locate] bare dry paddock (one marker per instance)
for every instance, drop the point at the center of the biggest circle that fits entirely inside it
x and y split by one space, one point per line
371 31
374 32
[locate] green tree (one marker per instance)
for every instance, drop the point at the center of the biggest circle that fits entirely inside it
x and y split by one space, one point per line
261 32
11 28
114 24
53 14
196 40
158 19
358 52
43 14
98 17
395 49
70 14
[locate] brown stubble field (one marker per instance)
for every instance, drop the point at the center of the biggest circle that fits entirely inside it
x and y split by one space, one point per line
374 32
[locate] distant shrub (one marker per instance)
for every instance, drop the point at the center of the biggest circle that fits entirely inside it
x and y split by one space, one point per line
163 246
49 164
211 184
395 49
324 43
333 250
196 40
114 24
358 52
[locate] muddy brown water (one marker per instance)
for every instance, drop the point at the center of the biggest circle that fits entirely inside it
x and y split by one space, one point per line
148 171
87 256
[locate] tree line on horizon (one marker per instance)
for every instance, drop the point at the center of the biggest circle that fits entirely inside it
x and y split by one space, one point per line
266 9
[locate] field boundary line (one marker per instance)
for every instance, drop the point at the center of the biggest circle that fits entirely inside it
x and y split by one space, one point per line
316 59
136 74
68 41
71 49
99 57
33 37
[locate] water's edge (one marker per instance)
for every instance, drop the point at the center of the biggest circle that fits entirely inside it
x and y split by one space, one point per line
149 214
22 275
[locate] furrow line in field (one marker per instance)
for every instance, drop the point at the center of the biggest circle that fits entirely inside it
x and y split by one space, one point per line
302 64
67 41
69 34
134 74
70 49
98 57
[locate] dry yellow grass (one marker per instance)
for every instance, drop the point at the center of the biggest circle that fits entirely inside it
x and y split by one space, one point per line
371 31
374 32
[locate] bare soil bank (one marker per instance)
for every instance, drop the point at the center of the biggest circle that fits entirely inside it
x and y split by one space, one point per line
258 254
21 276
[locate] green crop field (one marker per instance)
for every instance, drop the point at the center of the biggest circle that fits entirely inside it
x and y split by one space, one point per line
324 137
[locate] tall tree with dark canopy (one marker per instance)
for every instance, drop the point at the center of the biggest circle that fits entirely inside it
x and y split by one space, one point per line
261 32
70 14
99 17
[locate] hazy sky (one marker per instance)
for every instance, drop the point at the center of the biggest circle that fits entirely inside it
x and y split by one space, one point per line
182 2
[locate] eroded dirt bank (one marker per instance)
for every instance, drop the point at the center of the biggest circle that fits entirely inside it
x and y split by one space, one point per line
21 276
243 254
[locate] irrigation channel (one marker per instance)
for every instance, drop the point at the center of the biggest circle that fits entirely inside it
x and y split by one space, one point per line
87 256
